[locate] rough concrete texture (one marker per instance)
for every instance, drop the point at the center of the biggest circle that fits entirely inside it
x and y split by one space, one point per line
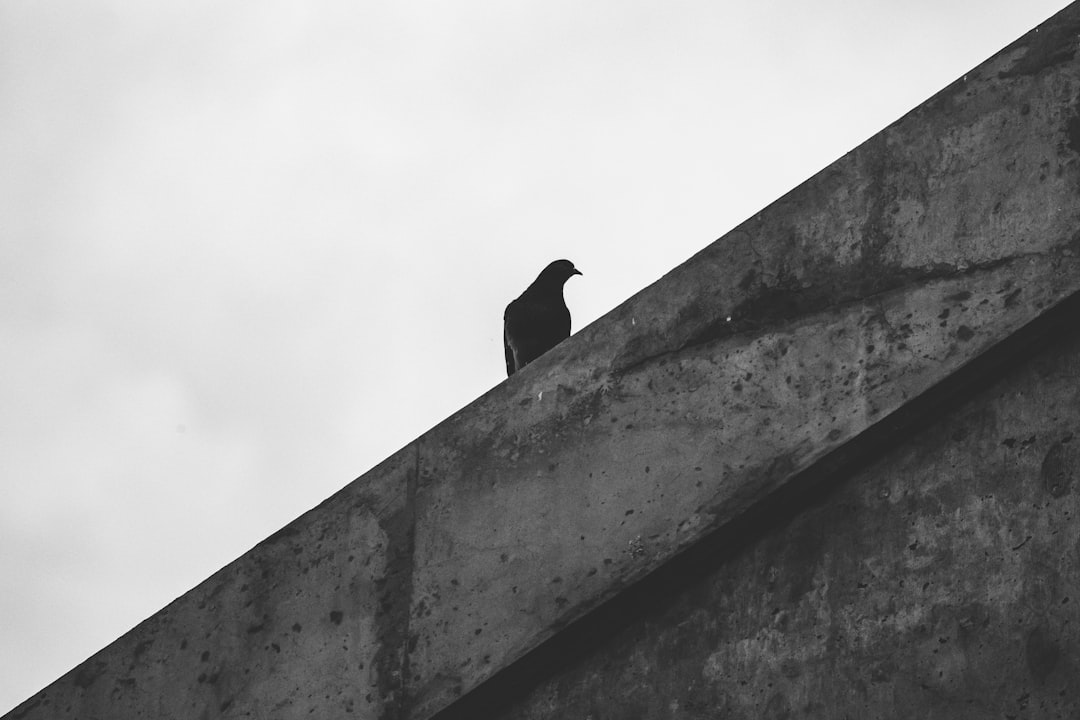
836 307
307 624
525 536
940 582
850 296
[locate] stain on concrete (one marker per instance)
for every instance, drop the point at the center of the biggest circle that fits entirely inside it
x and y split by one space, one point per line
394 589
1041 653
1072 131
1051 44
1059 467
88 673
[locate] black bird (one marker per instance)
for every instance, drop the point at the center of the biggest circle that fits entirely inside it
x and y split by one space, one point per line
538 319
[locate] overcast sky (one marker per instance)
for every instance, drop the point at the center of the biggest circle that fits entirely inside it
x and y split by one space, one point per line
250 248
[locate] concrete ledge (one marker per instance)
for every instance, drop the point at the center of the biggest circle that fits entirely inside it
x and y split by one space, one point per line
596 634
308 621
927 569
541 522
854 294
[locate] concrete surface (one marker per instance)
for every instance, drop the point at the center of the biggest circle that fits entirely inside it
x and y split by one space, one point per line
836 307
307 624
939 582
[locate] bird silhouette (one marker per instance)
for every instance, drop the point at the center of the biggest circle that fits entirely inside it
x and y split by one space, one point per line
538 319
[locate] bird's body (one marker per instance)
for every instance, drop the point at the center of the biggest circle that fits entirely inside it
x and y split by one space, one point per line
538 319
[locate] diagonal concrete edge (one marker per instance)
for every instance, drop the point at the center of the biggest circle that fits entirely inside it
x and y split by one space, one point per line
680 575
848 298
837 305
560 516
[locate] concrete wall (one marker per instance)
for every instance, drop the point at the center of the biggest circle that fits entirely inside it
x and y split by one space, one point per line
941 580
852 306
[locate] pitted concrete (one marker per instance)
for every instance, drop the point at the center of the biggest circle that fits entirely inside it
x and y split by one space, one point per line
847 298
807 326
306 622
939 581
544 520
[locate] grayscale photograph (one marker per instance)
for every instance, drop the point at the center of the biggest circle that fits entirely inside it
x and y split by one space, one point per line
486 360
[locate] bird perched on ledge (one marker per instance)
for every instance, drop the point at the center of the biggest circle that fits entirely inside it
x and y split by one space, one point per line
538 319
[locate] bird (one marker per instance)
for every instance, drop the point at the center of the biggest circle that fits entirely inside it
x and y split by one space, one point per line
538 319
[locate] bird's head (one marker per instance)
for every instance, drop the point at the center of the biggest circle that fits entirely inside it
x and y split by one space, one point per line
558 273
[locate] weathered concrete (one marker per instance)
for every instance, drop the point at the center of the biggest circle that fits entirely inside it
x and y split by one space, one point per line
853 294
942 581
526 536
842 303
307 622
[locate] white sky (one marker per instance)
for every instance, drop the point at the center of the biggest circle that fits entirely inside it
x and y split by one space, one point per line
249 249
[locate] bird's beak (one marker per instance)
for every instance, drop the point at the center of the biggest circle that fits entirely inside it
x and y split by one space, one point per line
577 272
